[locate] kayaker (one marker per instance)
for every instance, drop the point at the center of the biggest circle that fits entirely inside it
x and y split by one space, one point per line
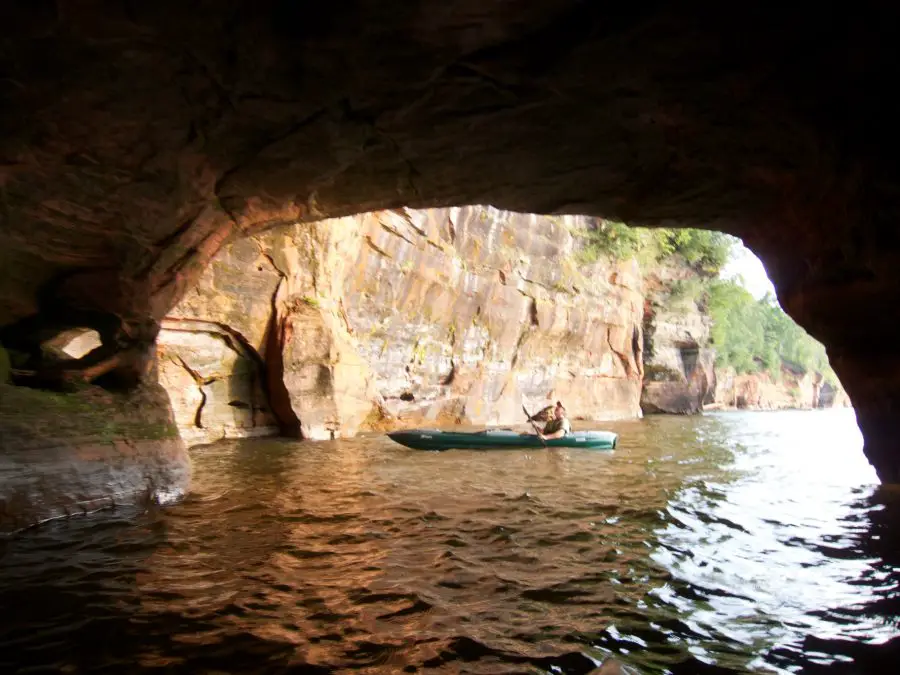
559 426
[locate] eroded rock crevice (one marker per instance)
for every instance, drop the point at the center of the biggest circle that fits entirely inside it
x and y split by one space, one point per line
229 397
279 398
120 359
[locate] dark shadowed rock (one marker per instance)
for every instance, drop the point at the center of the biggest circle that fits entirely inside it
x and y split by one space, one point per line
68 454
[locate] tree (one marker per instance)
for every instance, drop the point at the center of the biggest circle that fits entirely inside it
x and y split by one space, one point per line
755 335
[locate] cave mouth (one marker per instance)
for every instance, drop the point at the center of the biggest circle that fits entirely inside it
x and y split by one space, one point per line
139 141
451 314
141 138
689 354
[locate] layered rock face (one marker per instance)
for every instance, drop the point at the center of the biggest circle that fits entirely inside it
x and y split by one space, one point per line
401 317
490 310
290 364
210 347
140 137
679 364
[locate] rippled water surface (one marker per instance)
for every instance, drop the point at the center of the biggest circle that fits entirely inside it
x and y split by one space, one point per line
733 542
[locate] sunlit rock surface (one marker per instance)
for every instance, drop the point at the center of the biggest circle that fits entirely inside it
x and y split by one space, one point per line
211 345
403 317
468 313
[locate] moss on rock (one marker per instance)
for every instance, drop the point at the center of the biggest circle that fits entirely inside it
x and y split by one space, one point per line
33 416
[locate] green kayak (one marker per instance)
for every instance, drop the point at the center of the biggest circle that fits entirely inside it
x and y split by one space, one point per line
500 439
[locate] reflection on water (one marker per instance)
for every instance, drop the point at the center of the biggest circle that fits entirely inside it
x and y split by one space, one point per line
725 543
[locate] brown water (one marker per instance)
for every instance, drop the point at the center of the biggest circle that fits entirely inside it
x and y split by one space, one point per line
755 542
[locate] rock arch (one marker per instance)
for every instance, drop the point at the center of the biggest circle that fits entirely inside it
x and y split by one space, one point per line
138 138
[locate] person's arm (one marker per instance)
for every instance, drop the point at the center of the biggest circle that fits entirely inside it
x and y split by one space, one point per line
559 433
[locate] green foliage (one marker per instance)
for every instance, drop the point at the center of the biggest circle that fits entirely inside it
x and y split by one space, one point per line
309 300
610 238
704 250
756 335
689 293
750 335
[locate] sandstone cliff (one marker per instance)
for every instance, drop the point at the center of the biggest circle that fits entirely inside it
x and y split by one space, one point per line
444 316
680 371
402 317
679 375
792 390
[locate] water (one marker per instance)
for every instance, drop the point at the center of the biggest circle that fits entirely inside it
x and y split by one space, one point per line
727 543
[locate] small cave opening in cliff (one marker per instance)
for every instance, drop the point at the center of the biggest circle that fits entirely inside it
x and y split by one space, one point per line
74 343
63 355
690 353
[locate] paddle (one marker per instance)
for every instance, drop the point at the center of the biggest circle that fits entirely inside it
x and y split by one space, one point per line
528 415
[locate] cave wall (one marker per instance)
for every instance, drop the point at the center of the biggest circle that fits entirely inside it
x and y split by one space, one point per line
73 453
212 346
264 336
139 138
